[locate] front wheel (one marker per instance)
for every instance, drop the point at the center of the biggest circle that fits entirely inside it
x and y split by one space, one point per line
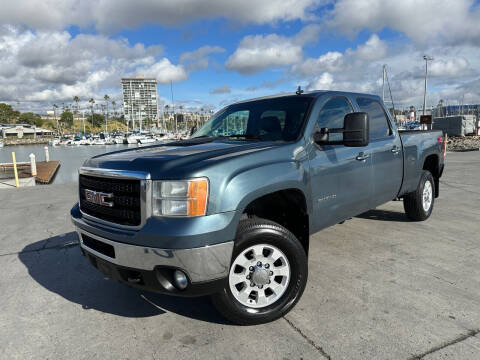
418 205
267 276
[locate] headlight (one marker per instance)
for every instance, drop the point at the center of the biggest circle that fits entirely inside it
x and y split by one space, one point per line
180 197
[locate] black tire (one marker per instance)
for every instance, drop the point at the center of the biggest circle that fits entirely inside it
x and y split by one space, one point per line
254 231
413 202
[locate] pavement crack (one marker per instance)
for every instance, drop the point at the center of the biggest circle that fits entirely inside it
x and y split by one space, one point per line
43 248
310 341
471 333
458 187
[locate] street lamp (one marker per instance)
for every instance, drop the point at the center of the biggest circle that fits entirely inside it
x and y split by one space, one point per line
427 59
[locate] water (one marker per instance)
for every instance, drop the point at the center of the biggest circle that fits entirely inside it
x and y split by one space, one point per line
71 157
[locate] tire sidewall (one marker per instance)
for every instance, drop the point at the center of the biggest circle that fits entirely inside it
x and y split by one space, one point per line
297 259
426 176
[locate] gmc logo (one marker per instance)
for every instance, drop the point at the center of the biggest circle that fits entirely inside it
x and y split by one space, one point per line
98 198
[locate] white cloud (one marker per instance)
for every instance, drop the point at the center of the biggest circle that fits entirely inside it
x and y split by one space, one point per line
330 61
39 68
225 89
258 52
164 71
451 22
457 67
111 15
373 49
322 82
199 59
453 73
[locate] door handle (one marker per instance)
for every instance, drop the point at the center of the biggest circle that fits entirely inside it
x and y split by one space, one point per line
395 150
362 156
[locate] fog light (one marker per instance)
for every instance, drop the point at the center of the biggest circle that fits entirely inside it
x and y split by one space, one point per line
180 278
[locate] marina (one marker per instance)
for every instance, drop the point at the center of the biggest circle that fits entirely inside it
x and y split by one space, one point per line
70 157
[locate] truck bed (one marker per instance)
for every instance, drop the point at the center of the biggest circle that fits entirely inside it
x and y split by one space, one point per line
417 146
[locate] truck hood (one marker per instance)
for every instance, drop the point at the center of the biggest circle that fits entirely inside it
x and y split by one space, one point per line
178 159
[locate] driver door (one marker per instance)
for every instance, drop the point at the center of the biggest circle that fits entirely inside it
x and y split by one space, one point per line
341 183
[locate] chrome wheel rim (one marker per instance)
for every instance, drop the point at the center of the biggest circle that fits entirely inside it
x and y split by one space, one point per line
427 196
259 276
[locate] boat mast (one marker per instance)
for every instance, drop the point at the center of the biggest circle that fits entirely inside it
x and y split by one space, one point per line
384 69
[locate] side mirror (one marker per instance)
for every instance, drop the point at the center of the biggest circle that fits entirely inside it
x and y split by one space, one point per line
192 131
356 129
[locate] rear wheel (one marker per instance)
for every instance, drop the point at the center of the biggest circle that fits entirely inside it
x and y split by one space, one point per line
418 205
267 276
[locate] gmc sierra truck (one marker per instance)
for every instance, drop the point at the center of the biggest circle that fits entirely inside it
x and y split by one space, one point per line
229 211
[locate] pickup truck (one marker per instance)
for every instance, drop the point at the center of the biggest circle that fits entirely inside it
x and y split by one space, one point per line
229 211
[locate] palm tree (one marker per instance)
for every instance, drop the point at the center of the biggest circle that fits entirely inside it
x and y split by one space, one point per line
164 121
92 102
114 105
55 107
76 99
106 98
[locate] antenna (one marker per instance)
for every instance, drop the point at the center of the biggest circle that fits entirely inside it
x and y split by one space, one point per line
299 90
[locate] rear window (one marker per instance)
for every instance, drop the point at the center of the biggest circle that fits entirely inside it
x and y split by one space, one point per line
379 126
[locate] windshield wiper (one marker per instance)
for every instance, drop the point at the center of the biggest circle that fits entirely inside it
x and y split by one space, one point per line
246 136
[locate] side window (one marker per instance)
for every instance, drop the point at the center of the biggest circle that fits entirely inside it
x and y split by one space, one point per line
379 126
332 114
234 123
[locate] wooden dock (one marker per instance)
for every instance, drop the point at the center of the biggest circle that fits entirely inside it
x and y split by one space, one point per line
46 171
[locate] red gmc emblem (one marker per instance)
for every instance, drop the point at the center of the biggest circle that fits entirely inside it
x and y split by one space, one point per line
98 198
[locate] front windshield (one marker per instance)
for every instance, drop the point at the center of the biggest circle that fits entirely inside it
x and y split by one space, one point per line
277 119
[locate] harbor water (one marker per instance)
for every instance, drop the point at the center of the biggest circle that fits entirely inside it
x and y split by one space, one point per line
70 157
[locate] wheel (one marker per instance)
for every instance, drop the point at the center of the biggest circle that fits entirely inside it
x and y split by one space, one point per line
267 276
418 205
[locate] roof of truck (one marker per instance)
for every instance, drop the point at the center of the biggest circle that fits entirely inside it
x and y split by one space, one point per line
314 94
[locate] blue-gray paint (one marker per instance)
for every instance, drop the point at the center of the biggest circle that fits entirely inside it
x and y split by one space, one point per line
336 186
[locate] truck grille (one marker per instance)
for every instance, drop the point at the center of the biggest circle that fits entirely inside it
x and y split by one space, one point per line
126 204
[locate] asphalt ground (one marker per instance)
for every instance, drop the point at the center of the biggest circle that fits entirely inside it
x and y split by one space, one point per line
379 287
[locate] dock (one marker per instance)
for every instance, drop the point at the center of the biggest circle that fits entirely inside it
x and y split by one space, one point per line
46 171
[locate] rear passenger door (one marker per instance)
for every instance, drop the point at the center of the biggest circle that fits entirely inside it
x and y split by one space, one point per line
386 150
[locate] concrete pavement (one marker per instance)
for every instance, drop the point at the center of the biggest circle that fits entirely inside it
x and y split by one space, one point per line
380 287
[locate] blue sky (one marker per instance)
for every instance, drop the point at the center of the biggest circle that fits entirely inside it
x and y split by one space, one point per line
217 52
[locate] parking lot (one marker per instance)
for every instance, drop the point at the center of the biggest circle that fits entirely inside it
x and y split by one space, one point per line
379 286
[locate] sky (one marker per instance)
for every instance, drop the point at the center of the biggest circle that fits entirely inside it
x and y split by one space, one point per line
217 52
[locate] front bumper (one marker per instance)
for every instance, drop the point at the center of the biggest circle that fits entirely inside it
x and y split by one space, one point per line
200 264
159 280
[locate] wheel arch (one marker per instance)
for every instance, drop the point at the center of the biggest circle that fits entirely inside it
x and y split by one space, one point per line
286 207
432 164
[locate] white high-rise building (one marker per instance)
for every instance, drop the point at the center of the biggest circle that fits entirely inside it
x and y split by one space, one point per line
140 101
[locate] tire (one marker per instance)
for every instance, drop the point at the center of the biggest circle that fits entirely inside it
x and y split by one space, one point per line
263 236
415 207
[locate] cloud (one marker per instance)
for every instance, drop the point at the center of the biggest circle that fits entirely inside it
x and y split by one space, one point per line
199 59
42 67
164 71
330 61
322 82
257 52
225 89
448 22
457 67
267 84
373 49
112 15
360 70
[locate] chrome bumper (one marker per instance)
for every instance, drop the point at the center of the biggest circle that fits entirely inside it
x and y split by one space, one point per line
201 264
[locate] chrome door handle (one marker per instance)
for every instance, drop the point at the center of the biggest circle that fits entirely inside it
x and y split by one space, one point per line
362 156
395 150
